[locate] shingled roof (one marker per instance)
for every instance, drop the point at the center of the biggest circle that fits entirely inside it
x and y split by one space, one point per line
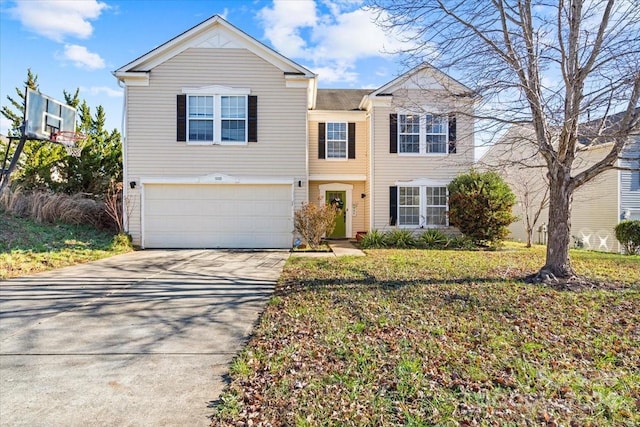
340 99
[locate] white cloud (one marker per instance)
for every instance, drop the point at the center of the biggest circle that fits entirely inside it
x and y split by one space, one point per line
333 41
336 72
283 22
57 19
354 35
82 58
102 90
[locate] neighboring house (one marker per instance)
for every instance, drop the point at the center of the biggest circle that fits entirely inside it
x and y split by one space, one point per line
598 206
225 138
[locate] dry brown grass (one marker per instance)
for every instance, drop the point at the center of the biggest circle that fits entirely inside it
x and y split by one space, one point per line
47 207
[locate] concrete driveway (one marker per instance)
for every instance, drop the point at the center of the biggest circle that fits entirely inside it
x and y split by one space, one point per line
138 339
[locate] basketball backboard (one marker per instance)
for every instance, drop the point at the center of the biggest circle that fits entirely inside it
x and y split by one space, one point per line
45 116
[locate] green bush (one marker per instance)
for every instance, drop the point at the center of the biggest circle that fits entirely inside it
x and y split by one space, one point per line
400 238
628 234
480 206
374 239
461 242
433 239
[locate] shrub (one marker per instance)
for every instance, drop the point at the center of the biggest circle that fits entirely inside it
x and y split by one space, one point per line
480 206
121 242
433 239
313 221
400 238
373 239
628 234
461 242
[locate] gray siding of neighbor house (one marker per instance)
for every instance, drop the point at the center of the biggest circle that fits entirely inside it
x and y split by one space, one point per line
630 181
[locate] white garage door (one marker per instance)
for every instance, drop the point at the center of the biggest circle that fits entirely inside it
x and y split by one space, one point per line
217 216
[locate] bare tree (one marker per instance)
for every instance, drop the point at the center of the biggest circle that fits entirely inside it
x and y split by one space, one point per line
533 196
550 65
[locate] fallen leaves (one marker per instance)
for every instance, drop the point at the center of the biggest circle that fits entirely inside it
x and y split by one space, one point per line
382 340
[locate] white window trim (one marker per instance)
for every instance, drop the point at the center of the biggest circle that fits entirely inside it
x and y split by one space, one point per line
423 136
346 143
217 92
423 204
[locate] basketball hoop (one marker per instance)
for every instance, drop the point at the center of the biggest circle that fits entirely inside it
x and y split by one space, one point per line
70 140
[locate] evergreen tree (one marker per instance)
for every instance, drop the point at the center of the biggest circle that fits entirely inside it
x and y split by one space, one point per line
15 114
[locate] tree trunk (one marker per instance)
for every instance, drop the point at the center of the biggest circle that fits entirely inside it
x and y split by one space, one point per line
559 238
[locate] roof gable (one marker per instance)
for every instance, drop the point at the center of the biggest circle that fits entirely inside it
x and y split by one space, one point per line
424 77
213 33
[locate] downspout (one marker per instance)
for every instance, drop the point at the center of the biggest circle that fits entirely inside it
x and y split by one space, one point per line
371 170
125 176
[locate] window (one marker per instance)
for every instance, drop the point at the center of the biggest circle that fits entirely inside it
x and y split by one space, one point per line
436 206
336 140
409 206
210 118
409 133
234 118
421 206
426 134
200 118
435 134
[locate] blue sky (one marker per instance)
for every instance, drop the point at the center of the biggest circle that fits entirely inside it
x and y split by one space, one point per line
78 43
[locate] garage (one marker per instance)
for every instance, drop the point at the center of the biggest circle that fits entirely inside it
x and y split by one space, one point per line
217 215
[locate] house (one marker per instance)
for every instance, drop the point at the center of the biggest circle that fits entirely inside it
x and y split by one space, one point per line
224 138
598 206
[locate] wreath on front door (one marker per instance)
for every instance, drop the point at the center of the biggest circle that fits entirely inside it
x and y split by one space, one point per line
337 202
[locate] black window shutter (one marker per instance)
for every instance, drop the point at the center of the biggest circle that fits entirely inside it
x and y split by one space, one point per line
393 205
352 140
321 141
452 133
181 114
393 133
252 104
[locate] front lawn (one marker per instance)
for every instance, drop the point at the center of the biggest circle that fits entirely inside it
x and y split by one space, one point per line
28 247
450 338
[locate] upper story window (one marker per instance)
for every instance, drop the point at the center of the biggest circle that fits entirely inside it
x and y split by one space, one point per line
233 118
422 134
435 132
200 118
217 115
228 125
409 133
336 140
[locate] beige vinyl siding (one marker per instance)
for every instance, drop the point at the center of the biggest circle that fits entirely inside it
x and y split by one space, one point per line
133 213
359 217
391 167
339 166
152 149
